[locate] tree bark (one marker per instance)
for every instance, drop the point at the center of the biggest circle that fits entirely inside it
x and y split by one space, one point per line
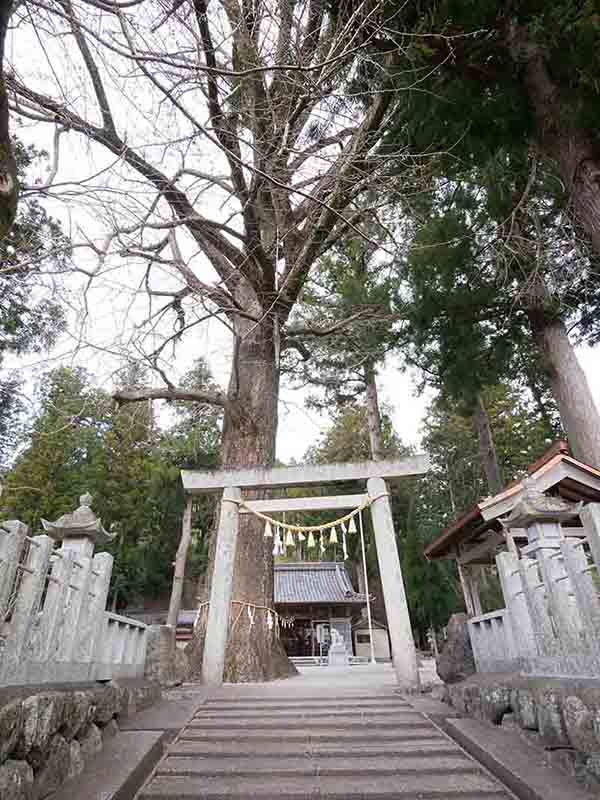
254 651
538 398
575 152
570 387
373 415
180 561
487 448
9 184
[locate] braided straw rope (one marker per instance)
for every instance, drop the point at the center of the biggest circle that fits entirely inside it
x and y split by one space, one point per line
302 528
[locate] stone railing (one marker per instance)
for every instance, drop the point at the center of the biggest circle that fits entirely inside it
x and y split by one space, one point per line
53 623
551 623
492 642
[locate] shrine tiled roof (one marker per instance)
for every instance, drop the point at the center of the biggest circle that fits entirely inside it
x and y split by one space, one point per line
314 582
556 474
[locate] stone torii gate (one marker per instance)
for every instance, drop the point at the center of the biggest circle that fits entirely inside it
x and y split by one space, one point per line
231 483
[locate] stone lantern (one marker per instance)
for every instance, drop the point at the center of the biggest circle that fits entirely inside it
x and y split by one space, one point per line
541 516
79 531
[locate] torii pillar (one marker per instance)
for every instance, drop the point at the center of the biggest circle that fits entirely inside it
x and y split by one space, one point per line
217 626
404 655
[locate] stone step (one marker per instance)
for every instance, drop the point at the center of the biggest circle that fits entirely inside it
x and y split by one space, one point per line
274 765
429 747
118 771
519 765
316 712
318 709
364 722
332 733
394 701
286 699
423 786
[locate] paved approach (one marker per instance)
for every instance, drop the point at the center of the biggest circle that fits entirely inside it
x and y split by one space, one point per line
325 734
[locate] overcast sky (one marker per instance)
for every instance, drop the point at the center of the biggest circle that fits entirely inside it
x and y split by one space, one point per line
99 333
101 340
399 390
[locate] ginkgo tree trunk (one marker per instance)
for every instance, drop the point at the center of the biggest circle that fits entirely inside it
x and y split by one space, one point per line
255 130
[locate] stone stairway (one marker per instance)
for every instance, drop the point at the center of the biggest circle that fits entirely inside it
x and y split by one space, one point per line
338 745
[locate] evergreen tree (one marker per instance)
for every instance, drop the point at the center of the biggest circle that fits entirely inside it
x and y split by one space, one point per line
357 288
347 438
431 587
457 476
33 255
487 79
80 441
492 292
59 462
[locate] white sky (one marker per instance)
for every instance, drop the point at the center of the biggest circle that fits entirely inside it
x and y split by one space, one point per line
108 325
114 306
399 390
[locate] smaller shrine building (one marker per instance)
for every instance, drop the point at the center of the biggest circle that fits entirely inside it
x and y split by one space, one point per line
313 598
535 549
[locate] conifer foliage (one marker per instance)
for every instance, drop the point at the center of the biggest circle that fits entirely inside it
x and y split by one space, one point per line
81 441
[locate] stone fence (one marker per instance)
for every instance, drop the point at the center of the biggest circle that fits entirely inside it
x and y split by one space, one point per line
551 623
48 736
53 624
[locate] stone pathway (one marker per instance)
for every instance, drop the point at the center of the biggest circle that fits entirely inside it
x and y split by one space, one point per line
343 734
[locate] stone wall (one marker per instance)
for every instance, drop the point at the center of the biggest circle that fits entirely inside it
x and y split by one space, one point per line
48 734
561 715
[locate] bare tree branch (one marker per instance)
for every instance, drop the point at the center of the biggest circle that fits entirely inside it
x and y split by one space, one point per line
137 395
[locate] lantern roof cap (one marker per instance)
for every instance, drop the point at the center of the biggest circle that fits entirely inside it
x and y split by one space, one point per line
79 523
536 506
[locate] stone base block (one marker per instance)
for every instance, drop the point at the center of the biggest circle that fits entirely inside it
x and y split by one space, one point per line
563 713
166 664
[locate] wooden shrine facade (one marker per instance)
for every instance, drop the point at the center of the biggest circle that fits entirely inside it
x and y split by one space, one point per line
313 598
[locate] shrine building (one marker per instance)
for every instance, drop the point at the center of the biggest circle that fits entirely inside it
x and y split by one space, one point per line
315 597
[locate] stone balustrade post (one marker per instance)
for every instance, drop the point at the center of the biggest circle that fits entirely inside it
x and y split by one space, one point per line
142 646
590 519
118 643
26 607
520 637
12 541
534 591
76 610
563 611
584 591
53 621
102 565
130 650
104 646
